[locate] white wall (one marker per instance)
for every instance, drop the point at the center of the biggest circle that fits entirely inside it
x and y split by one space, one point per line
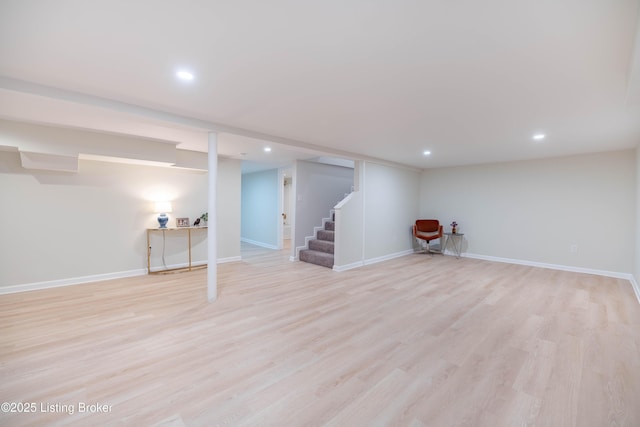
260 208
637 248
60 228
390 209
349 225
349 236
536 210
318 187
229 200
64 226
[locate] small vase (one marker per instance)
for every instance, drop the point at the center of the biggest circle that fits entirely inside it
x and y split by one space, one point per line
453 230
162 220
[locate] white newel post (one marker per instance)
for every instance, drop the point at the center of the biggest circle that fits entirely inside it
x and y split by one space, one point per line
212 231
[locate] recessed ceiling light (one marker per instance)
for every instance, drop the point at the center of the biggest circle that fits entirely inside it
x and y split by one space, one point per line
267 149
184 75
539 136
426 153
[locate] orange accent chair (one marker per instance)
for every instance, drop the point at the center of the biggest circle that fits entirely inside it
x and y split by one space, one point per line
428 230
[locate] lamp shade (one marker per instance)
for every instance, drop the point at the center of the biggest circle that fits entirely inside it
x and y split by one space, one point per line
163 207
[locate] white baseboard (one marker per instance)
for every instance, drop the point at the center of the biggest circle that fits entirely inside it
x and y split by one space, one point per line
346 267
605 273
636 288
71 281
261 244
99 277
180 265
370 261
293 258
141 272
387 257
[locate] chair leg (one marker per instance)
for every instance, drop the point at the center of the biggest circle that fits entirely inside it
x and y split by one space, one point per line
429 246
426 246
434 252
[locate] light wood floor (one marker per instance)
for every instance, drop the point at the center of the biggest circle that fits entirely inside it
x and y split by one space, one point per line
416 341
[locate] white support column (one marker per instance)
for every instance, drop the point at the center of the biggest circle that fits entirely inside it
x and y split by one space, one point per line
212 232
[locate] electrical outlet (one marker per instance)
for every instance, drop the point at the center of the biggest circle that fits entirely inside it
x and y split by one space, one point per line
573 248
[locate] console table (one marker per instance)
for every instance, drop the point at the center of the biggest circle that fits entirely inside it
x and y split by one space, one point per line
188 231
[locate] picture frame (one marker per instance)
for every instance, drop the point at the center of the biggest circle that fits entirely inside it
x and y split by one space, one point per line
182 222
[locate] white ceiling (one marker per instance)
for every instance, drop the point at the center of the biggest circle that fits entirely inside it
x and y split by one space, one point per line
470 81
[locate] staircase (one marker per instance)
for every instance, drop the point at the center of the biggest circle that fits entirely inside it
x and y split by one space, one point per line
320 250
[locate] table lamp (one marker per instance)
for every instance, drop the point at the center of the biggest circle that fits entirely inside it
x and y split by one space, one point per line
163 208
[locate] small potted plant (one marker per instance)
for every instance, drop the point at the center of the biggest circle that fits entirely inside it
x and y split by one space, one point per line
205 218
454 227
